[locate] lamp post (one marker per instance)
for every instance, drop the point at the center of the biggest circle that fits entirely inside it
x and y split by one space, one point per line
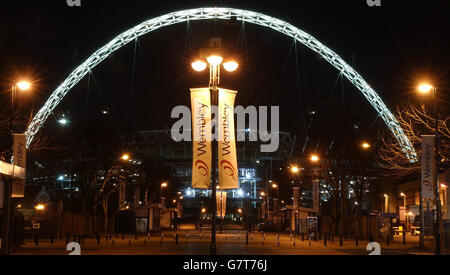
425 89
214 62
23 86
163 185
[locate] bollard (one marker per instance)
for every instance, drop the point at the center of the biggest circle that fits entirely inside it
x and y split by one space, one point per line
303 237
325 240
404 237
356 241
135 236
98 239
112 243
278 239
291 236
246 239
51 238
309 239
341 241
332 238
123 236
129 242
176 238
161 240
294 241
74 238
200 235
67 238
36 239
388 241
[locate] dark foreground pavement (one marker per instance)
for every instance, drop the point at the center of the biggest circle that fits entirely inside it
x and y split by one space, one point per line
230 243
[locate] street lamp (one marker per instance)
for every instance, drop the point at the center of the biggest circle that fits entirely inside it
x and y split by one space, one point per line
125 157
40 207
365 145
404 199
163 185
426 88
314 158
295 169
214 62
21 86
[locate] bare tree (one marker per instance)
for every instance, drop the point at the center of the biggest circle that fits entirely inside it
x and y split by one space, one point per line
415 121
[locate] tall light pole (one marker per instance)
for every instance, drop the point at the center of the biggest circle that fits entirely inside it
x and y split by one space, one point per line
214 62
23 86
425 89
163 185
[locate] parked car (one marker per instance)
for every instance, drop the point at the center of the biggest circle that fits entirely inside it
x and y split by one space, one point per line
266 226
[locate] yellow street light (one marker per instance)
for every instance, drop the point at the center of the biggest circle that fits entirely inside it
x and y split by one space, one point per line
164 185
295 169
263 194
125 157
230 66
199 65
23 85
239 211
214 60
402 194
314 158
274 186
203 210
39 207
174 201
365 145
425 88
386 196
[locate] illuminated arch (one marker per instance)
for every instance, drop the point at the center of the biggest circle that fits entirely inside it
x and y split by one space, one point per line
226 14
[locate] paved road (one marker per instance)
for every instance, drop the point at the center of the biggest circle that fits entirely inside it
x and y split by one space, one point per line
228 243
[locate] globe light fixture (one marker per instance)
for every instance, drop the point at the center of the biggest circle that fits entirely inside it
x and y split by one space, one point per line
23 85
214 60
199 65
230 66
425 88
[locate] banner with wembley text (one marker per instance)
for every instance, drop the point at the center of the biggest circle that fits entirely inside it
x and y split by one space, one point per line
20 160
201 137
428 167
228 169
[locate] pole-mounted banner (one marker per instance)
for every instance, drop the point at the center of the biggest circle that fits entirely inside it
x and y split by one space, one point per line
201 140
221 200
20 160
228 169
428 166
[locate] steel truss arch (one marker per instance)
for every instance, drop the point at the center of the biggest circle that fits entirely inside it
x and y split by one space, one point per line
226 14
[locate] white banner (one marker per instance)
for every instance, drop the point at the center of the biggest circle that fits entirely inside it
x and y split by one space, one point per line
201 140
228 169
428 167
20 160
221 199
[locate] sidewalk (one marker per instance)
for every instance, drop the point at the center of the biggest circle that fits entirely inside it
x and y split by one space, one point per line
228 243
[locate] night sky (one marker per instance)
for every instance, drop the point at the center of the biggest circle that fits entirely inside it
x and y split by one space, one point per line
393 47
